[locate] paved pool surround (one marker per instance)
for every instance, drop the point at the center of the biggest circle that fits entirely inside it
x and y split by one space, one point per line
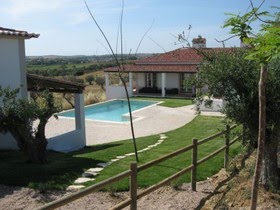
152 120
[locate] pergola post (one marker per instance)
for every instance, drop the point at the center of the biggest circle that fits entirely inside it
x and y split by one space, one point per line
163 78
107 82
80 115
130 88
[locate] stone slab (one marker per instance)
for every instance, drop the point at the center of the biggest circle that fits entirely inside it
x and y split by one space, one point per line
95 169
89 174
75 187
83 180
103 165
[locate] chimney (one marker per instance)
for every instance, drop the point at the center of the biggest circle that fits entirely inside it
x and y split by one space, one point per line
199 42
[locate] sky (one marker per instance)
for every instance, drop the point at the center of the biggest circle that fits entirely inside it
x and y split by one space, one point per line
66 28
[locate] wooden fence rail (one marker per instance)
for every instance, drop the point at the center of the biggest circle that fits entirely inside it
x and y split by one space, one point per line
134 170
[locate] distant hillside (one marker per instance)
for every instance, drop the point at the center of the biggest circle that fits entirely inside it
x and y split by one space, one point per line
75 65
106 57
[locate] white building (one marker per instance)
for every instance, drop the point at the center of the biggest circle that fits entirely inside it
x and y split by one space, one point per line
13 75
164 75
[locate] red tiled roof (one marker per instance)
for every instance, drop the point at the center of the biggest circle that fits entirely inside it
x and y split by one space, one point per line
176 56
191 68
180 60
182 55
13 32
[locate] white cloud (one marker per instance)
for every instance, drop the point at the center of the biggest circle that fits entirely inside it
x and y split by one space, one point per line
78 18
18 8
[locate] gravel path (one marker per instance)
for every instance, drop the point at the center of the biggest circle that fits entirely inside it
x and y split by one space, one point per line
164 198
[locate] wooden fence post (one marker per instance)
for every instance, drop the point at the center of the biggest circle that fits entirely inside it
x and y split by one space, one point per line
194 163
226 158
133 186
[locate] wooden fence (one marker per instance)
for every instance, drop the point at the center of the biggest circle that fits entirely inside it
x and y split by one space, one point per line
134 170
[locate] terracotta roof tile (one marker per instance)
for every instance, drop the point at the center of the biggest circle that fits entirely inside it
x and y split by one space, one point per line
17 33
180 60
182 55
192 68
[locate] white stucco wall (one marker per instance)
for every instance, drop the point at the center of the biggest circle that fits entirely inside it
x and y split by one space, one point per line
141 80
13 75
12 64
115 92
66 142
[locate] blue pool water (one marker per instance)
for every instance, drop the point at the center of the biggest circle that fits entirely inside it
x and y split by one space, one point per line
110 111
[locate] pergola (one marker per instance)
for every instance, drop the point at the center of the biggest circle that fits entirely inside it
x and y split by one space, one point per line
39 83
68 141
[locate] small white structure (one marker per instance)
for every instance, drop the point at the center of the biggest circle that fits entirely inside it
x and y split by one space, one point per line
72 140
13 75
216 105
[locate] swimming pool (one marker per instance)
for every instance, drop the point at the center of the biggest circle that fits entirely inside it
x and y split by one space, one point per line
116 110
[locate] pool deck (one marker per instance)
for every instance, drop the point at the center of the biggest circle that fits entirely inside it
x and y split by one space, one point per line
152 120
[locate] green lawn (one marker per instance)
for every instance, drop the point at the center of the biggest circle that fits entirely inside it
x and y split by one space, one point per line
168 102
63 169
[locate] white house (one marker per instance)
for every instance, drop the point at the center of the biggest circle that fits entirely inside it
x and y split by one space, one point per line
13 74
161 75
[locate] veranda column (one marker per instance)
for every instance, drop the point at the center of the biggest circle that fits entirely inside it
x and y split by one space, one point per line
130 88
106 79
163 78
80 116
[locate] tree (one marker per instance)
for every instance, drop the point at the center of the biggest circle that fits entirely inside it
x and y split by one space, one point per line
18 116
100 81
264 47
230 75
90 78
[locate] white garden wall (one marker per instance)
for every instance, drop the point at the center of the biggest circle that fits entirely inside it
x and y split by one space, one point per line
115 92
66 142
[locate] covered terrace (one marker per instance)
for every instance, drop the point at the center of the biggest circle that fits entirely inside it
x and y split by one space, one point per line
71 140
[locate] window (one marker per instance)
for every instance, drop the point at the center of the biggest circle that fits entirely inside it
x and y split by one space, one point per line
185 80
151 80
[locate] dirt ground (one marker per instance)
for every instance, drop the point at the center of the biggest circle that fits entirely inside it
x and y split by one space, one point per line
236 192
221 191
164 198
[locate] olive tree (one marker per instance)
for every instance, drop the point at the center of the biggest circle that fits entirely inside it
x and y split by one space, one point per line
25 120
100 80
90 79
263 48
229 75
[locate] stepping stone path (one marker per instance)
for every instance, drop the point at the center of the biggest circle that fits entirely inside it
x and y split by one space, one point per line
93 172
89 174
83 180
103 165
75 187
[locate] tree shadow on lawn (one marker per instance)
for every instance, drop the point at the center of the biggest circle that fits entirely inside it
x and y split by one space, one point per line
95 148
58 173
